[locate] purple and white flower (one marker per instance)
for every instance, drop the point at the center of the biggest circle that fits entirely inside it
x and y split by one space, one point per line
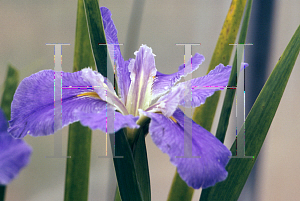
14 153
143 92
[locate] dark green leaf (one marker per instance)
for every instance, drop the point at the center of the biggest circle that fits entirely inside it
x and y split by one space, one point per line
125 168
141 161
98 40
2 192
140 164
10 86
97 34
257 125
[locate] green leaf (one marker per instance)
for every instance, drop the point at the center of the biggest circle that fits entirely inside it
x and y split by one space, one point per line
141 161
125 168
139 170
79 141
204 114
98 40
2 192
10 86
97 34
230 93
180 190
257 125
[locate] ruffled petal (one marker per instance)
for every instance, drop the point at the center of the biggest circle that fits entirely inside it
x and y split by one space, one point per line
14 154
103 120
197 172
123 75
206 86
142 70
163 82
32 109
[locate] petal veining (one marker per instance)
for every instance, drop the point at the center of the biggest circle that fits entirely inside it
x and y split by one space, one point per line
123 75
142 71
104 88
197 172
164 82
107 123
203 87
32 109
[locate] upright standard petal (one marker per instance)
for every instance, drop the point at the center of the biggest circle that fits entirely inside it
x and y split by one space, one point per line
206 86
108 120
197 172
163 82
14 154
142 70
123 75
32 109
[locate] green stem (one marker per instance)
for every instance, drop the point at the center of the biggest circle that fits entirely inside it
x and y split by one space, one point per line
2 192
77 170
180 191
136 141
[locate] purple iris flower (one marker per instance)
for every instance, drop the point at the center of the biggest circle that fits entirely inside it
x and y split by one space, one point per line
143 92
14 153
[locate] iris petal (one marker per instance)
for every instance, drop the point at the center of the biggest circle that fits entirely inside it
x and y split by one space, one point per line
206 86
123 75
33 104
163 82
103 122
142 70
197 172
14 154
104 88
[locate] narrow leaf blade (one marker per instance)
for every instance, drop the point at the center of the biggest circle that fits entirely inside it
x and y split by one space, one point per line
79 141
141 161
230 93
257 125
10 86
125 168
97 35
98 40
